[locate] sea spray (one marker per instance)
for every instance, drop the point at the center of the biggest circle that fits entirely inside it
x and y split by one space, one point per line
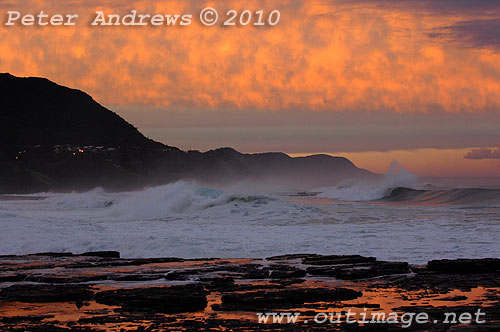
164 201
97 198
367 190
183 198
188 220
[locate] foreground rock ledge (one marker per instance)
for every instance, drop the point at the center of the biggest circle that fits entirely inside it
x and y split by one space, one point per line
99 291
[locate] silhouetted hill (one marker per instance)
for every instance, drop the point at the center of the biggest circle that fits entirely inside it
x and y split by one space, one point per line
278 168
36 111
53 138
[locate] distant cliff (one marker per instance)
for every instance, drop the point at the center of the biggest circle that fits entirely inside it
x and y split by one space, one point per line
56 138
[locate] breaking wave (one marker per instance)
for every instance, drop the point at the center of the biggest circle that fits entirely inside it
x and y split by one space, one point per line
177 198
399 185
96 198
184 219
156 202
365 190
471 196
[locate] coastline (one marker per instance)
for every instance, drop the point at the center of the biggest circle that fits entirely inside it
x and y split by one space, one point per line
98 291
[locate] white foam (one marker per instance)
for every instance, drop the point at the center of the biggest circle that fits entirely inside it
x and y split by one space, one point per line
96 198
164 201
185 220
367 190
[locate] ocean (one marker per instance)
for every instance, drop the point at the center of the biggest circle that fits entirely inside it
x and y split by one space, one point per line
184 219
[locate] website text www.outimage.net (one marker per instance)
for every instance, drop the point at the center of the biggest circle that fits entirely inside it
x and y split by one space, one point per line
405 320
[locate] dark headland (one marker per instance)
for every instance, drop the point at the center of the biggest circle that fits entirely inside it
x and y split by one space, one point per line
53 138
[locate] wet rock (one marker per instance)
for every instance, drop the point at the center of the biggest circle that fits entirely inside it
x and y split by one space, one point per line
187 274
250 286
53 254
475 328
366 305
287 282
136 277
64 278
286 272
361 271
444 282
121 317
172 299
453 298
487 265
102 254
418 268
287 298
94 262
11 277
293 257
46 293
244 285
375 270
219 284
20 319
248 271
52 328
337 259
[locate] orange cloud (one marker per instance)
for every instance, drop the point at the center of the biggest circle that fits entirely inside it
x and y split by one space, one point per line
329 56
484 153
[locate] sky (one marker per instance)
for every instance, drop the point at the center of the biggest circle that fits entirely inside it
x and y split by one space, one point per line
416 81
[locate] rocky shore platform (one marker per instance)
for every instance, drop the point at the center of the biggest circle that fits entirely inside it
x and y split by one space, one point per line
99 291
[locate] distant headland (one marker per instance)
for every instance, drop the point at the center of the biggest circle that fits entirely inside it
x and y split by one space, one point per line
53 138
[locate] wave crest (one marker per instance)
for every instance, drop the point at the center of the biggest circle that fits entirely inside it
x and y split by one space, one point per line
470 196
177 198
364 190
96 198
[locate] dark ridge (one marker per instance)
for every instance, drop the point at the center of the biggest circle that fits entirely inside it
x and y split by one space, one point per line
36 111
53 138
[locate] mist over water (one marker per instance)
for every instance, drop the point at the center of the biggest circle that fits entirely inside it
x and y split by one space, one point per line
366 190
185 219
